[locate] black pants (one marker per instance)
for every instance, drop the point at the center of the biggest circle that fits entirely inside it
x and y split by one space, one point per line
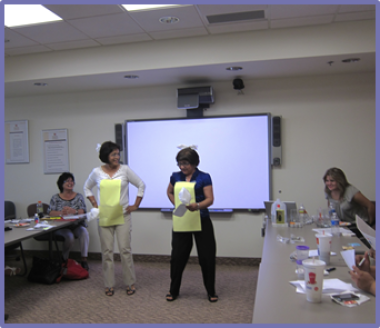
182 243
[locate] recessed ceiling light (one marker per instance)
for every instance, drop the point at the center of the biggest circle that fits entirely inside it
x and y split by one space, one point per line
169 20
146 7
131 77
234 68
350 60
19 15
40 84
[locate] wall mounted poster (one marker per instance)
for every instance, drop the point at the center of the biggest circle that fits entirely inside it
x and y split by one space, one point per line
56 151
16 142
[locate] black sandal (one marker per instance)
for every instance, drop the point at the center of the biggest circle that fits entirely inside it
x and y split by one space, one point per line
170 297
130 290
213 298
110 291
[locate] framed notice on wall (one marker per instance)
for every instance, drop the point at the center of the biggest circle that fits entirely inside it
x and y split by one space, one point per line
55 146
16 142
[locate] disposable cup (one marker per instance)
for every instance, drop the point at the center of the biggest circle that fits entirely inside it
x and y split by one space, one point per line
324 246
313 279
302 252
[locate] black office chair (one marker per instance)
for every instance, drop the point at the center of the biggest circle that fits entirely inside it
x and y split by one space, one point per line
10 251
49 237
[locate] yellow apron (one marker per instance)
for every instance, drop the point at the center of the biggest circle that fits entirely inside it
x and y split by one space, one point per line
110 210
190 221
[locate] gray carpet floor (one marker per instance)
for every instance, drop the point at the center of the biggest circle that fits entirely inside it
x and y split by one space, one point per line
84 301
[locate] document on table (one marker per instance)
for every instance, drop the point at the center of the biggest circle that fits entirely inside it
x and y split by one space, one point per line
349 257
314 252
330 286
343 231
41 226
366 231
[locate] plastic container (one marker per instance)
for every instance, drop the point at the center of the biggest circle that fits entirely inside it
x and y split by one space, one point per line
278 212
40 209
36 218
335 229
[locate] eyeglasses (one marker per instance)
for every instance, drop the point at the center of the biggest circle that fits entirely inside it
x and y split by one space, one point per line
68 180
115 155
183 164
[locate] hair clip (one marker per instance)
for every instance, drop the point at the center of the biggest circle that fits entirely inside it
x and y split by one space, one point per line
194 147
98 147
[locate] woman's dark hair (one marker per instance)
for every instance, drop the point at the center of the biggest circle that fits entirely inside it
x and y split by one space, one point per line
106 149
62 178
340 178
188 154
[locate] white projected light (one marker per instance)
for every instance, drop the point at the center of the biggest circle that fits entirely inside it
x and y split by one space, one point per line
20 15
234 150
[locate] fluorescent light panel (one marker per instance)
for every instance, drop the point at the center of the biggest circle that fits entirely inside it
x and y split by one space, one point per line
20 15
145 7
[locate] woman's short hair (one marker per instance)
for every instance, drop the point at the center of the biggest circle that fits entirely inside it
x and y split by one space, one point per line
188 154
106 149
62 178
340 178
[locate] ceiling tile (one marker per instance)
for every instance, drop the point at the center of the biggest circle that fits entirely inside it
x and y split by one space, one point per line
27 50
179 33
72 44
149 20
124 39
207 10
307 21
238 27
293 11
16 40
82 11
355 16
351 8
51 32
107 26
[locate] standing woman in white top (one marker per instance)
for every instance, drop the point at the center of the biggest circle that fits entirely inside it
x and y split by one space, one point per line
112 180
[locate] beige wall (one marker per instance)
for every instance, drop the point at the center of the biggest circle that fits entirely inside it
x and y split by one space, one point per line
327 121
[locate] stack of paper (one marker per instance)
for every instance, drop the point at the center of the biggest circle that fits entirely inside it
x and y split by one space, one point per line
330 286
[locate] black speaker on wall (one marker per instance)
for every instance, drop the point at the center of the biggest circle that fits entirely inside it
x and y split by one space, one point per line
276 150
119 135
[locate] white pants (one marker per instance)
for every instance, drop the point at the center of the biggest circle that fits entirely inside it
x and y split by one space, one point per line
79 232
123 235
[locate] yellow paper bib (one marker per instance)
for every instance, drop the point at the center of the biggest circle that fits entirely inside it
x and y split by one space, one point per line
110 210
190 221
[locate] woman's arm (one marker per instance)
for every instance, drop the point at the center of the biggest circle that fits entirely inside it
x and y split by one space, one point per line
170 193
365 202
134 207
208 201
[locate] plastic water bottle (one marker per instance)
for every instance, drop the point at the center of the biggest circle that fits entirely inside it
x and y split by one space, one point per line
302 215
278 211
40 209
36 218
335 224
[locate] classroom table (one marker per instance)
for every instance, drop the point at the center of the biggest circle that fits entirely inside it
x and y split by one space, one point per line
18 234
276 299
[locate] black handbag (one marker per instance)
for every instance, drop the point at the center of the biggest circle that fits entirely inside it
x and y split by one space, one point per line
44 271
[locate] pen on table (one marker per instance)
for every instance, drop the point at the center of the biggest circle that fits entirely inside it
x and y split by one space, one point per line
330 269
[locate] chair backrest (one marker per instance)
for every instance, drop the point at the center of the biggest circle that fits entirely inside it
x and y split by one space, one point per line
32 208
9 210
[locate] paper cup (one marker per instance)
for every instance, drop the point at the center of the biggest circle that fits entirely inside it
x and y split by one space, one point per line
313 279
324 246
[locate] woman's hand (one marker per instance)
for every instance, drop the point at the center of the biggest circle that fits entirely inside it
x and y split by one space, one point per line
366 264
363 280
66 210
131 208
192 207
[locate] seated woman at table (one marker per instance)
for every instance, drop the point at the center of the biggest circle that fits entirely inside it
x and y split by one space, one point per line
365 277
347 200
69 202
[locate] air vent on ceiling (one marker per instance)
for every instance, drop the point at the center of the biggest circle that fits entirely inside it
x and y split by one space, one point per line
235 17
